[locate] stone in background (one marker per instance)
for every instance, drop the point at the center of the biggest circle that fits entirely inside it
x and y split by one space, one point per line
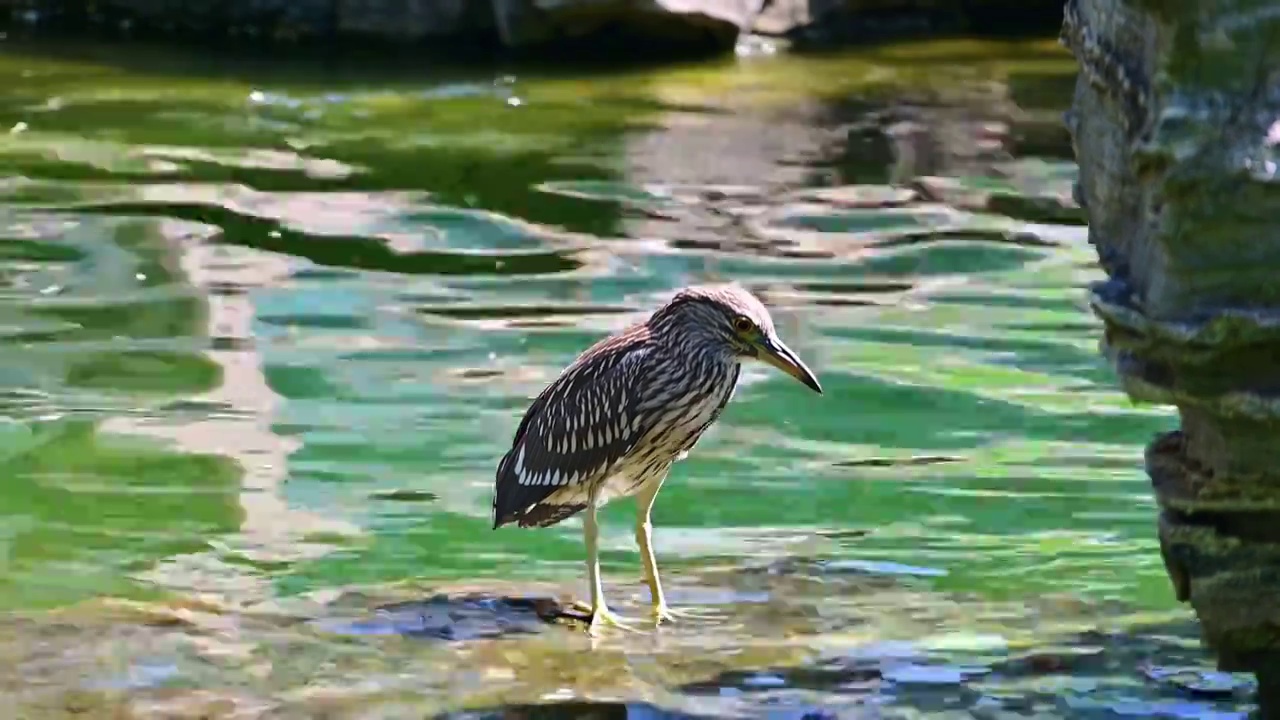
515 23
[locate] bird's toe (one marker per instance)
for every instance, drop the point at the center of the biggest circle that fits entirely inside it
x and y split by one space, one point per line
603 617
665 613
600 617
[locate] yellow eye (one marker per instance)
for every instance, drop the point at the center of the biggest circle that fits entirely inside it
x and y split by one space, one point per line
743 324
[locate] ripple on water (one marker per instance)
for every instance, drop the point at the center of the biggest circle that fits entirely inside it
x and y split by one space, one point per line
334 303
270 223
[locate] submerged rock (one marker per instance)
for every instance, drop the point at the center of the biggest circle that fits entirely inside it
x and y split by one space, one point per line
468 616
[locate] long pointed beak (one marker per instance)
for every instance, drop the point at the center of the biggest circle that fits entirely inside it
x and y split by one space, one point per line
776 353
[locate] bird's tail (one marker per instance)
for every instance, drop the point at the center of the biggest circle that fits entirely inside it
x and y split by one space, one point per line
498 485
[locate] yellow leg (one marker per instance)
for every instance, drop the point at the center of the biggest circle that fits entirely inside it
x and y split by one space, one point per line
600 614
644 538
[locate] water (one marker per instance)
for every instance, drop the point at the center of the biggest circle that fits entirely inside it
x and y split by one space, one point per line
268 328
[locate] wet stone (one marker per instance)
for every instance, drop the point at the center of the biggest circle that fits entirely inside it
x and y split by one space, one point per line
1197 681
572 711
856 679
1047 661
460 617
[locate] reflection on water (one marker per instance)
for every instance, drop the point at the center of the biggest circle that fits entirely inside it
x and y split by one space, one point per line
266 334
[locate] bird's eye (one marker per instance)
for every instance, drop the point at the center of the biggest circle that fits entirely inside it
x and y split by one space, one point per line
743 324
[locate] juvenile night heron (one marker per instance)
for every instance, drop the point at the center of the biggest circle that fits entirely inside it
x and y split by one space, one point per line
616 419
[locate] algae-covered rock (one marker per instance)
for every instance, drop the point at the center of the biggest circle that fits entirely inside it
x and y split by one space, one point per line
1175 135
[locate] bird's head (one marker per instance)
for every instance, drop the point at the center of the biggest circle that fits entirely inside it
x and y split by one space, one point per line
728 320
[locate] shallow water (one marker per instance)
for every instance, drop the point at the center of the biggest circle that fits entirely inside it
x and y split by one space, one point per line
268 328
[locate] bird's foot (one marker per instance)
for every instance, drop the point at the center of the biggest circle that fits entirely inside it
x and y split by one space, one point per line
664 613
601 617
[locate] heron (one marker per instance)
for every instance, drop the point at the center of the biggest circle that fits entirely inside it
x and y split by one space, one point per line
616 419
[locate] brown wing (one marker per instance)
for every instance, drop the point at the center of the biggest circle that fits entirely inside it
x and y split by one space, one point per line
574 431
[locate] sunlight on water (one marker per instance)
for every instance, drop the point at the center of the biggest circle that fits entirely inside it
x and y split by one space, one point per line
267 334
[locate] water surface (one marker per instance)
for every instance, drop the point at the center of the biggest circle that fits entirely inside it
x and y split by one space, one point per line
269 327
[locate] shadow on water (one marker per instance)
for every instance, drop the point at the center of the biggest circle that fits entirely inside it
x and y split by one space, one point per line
266 334
355 252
